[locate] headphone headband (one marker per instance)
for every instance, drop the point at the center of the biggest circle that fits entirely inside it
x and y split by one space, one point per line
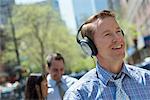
79 30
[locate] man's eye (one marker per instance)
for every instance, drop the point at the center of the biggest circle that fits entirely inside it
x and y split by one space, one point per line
107 34
55 70
119 32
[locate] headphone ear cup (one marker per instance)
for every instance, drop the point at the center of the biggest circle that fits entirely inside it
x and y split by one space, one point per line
88 47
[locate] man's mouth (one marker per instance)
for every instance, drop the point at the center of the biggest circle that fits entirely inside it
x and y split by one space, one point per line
119 46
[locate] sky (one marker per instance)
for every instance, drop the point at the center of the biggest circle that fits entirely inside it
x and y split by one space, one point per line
27 1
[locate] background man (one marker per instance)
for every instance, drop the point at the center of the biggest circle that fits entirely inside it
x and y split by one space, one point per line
57 82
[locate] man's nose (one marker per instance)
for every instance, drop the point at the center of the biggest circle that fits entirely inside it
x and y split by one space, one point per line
117 37
59 72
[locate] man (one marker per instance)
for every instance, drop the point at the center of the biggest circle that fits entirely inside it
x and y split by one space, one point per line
57 82
112 79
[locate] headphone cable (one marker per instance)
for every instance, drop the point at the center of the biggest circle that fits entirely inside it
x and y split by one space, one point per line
94 62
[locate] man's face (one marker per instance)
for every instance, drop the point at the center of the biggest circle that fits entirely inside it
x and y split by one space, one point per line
109 40
56 69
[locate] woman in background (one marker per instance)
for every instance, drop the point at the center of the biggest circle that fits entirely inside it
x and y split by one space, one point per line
36 87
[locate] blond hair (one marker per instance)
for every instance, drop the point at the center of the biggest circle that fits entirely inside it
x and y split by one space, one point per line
88 27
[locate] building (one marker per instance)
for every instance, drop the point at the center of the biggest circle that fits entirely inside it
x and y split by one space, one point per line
75 12
137 13
5 6
5 9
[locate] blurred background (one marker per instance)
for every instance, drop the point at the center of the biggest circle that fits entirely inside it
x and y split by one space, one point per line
31 29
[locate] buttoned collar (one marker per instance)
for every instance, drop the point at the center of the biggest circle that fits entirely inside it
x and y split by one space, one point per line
105 75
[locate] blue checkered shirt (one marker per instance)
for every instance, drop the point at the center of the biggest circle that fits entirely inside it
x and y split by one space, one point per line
97 84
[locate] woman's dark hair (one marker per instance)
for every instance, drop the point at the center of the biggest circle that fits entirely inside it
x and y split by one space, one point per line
54 56
30 89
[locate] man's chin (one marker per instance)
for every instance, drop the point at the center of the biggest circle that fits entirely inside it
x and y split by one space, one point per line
58 80
121 54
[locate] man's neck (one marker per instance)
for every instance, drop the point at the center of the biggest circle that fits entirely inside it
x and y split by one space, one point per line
111 66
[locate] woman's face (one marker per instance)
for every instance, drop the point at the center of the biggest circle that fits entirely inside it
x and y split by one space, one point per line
44 88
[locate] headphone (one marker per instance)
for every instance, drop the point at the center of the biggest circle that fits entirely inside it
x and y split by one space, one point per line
87 45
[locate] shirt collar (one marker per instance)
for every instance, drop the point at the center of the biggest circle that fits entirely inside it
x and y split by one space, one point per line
125 70
62 79
53 82
105 75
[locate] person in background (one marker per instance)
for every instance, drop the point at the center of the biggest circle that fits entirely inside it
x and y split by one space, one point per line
36 87
112 79
57 82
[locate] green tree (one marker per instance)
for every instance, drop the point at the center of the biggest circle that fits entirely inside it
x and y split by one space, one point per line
39 31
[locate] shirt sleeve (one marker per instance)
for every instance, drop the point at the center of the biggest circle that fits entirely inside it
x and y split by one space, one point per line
69 95
69 80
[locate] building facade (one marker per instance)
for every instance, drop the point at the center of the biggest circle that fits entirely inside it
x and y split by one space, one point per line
75 12
138 13
5 8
